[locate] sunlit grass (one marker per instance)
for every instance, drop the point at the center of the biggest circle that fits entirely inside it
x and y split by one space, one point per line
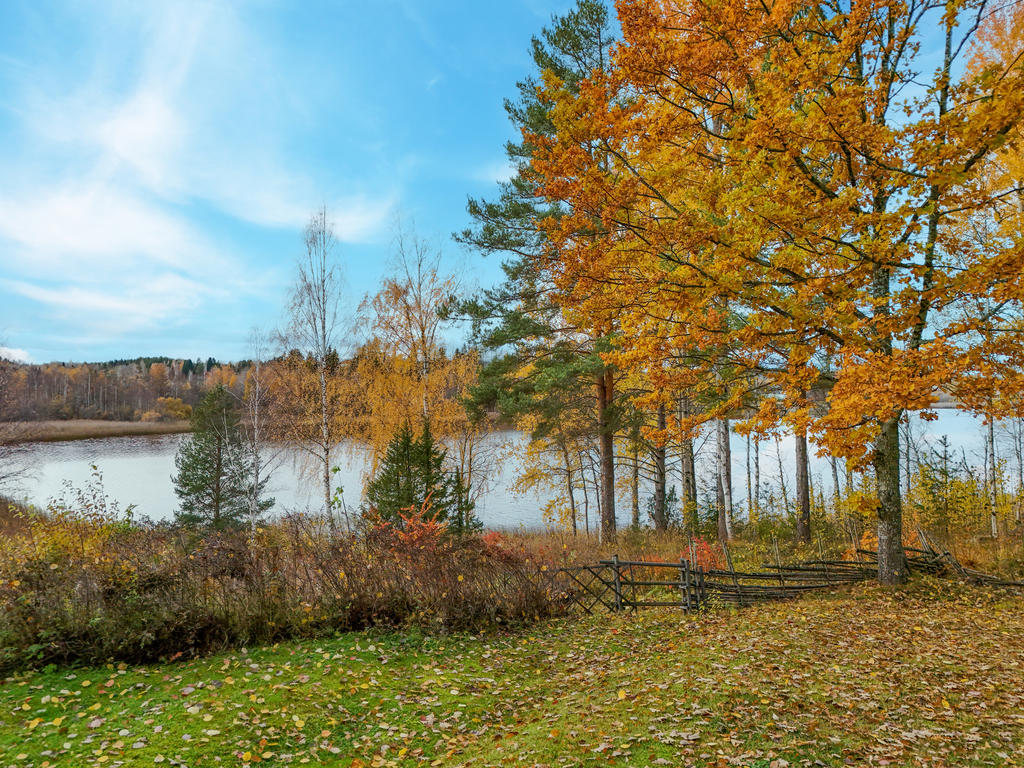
929 675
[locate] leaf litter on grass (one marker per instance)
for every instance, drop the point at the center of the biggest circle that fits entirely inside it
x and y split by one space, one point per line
926 676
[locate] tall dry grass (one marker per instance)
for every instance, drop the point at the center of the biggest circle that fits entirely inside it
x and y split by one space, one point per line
81 429
79 587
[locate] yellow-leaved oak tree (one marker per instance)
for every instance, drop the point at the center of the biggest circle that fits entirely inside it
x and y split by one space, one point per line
785 188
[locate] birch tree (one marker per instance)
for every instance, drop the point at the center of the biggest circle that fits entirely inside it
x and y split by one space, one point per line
255 426
313 327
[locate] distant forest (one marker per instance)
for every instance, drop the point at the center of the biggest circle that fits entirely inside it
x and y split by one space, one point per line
142 389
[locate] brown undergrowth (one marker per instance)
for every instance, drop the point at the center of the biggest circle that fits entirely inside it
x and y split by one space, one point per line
83 588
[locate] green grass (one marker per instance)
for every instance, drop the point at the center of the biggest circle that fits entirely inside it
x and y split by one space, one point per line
823 679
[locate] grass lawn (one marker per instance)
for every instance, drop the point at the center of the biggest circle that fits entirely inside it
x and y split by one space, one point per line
931 675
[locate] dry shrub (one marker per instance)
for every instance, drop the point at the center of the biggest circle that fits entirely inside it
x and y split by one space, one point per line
641 544
82 588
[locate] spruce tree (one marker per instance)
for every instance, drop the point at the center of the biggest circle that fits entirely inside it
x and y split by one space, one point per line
214 468
412 477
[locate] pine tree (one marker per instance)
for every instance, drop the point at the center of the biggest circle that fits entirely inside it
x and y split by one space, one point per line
518 320
214 468
412 477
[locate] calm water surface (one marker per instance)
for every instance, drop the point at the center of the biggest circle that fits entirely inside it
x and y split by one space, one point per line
138 470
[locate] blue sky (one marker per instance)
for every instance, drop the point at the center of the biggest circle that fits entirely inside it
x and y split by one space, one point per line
159 159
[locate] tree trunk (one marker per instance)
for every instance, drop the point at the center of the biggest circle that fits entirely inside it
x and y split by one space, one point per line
757 476
803 495
688 471
606 429
660 479
724 481
569 488
835 484
218 475
327 488
1018 452
325 434
782 478
634 484
892 562
751 516
586 494
905 458
993 484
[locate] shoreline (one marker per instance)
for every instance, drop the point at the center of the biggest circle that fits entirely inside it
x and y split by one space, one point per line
86 429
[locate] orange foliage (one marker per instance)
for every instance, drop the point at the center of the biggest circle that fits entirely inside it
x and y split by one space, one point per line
758 200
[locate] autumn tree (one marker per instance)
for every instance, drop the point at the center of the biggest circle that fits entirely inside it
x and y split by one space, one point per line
12 432
312 422
158 378
405 374
809 167
406 312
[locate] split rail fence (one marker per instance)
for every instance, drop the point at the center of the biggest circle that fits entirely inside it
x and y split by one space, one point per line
618 585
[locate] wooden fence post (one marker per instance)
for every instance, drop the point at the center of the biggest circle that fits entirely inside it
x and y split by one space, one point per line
778 561
684 578
735 581
701 588
821 554
618 583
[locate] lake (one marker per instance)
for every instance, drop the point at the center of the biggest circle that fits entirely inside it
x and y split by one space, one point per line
138 470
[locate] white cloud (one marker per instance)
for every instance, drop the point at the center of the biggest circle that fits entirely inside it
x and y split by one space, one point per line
97 209
204 122
495 172
83 225
14 354
162 298
357 219
146 133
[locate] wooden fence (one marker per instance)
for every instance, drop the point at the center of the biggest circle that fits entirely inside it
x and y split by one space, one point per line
618 585
629 584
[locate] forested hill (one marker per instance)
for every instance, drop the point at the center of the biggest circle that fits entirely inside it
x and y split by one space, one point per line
143 388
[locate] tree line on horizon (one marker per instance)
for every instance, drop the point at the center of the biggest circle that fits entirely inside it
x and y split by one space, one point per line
138 389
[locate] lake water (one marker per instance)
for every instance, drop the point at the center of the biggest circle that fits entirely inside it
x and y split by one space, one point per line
138 470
